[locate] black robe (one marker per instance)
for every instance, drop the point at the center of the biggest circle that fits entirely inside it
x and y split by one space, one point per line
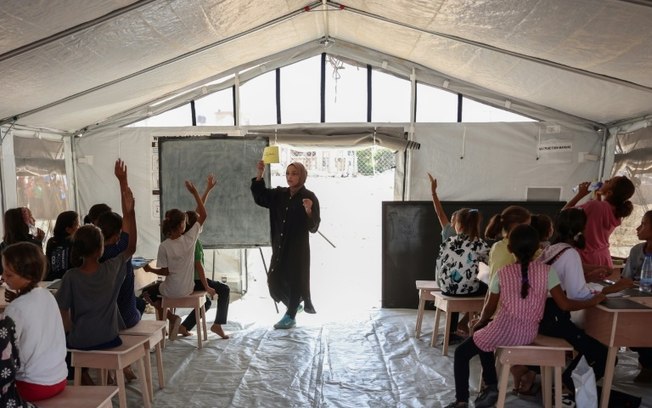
290 225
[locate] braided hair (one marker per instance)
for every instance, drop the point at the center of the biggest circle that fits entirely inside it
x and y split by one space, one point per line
523 243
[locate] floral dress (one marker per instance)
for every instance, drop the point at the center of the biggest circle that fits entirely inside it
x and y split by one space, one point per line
457 264
9 363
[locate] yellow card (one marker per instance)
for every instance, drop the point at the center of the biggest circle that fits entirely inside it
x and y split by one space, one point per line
270 155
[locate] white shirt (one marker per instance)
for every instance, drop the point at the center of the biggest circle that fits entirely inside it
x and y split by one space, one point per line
40 337
571 275
178 255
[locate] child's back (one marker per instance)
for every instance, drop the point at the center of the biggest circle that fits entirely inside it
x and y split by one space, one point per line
41 338
517 321
178 256
91 297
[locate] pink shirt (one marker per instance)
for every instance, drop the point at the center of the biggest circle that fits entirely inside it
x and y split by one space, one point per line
600 223
517 321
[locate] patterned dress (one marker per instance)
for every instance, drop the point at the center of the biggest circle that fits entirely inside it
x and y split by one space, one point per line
517 320
457 264
9 364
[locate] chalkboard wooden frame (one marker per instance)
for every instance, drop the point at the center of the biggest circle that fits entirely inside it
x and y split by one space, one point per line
234 220
411 236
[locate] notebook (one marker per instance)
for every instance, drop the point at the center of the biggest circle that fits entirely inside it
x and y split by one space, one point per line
139 262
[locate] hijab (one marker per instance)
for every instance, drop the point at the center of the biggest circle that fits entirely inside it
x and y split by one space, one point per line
303 173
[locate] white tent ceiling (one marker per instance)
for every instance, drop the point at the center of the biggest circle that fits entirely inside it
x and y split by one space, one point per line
68 65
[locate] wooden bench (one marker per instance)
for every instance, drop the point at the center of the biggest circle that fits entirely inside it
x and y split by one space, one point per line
154 330
425 287
131 350
96 396
547 352
450 305
196 301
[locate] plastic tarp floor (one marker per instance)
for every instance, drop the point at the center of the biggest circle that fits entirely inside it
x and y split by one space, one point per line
339 357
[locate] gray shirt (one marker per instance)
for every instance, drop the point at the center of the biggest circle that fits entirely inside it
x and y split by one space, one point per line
447 231
91 299
634 262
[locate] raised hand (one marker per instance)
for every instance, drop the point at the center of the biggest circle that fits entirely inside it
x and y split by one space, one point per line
120 170
129 201
260 169
191 187
211 182
433 184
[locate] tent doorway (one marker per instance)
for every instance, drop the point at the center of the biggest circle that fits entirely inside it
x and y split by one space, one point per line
347 276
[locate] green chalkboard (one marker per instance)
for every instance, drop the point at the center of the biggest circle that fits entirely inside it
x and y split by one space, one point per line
234 220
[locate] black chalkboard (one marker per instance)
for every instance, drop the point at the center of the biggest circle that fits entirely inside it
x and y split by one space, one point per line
411 237
234 220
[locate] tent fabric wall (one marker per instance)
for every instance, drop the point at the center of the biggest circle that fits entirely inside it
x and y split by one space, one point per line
498 161
632 158
75 65
94 163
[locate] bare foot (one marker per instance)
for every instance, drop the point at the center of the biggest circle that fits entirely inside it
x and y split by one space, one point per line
129 374
184 332
175 323
527 384
518 372
217 329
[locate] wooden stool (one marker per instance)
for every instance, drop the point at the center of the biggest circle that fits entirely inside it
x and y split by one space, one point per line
450 305
194 301
546 352
96 396
424 287
154 330
116 358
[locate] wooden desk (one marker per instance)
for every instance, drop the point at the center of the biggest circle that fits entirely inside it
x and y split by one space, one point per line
618 328
4 303
143 279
